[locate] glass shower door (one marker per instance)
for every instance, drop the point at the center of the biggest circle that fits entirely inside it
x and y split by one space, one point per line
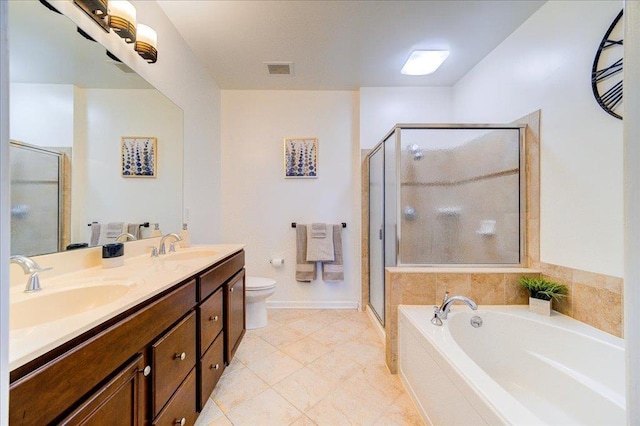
35 200
376 233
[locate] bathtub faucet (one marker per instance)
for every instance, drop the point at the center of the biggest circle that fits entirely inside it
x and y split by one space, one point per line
441 312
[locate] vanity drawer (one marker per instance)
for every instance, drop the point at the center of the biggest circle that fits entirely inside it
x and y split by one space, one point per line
173 356
211 368
211 280
180 410
211 318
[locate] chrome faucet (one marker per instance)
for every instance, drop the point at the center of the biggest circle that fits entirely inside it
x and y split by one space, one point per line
29 266
441 312
172 247
125 236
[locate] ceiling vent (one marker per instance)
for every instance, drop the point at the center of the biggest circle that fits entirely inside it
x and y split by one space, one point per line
280 68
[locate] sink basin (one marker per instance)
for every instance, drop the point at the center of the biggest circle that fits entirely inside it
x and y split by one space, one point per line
44 307
190 254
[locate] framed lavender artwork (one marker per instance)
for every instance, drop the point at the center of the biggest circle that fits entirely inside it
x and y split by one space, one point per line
139 156
301 158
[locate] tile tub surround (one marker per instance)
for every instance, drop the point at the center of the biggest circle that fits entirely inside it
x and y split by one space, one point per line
595 299
310 367
426 286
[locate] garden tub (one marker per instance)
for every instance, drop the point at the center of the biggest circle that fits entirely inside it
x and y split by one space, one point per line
517 368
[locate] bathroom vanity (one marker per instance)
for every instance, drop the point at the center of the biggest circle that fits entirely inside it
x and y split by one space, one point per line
155 360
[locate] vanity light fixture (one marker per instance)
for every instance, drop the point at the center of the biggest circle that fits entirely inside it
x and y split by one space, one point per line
122 18
147 43
423 62
96 9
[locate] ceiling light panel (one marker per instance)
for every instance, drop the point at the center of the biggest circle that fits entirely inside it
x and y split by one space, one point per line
423 62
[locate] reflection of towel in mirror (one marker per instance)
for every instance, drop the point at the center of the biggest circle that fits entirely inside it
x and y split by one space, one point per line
134 229
334 271
95 234
319 249
113 230
305 271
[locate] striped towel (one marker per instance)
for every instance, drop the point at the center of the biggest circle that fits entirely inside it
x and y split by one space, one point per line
305 271
334 271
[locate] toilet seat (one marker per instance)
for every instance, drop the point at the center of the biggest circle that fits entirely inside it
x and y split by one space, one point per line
259 283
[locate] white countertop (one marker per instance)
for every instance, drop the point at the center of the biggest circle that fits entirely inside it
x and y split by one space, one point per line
140 278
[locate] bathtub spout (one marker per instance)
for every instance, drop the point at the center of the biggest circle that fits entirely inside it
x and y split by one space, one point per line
441 312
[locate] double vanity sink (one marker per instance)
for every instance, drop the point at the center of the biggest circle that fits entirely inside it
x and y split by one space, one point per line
148 306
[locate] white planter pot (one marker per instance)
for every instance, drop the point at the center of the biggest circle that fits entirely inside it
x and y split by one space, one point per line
539 306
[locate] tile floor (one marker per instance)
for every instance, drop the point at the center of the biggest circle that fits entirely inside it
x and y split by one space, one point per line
310 367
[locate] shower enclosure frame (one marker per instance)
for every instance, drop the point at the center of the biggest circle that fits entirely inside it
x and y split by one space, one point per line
522 172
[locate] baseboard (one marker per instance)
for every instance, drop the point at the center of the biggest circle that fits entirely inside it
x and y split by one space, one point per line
312 305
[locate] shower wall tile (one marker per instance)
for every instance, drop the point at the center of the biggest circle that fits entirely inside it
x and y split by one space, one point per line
364 220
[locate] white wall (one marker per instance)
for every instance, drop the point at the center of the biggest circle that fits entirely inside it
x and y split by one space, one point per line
112 198
381 108
42 114
259 204
546 64
183 79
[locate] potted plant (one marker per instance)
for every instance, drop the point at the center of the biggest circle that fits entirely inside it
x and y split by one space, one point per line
542 292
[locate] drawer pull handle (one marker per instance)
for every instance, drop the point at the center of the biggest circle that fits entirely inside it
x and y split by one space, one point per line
213 318
214 367
146 371
181 356
231 289
181 422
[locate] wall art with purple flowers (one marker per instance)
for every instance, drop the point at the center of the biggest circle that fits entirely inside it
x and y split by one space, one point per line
301 158
139 157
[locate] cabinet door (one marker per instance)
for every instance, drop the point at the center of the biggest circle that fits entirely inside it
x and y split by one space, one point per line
120 402
234 314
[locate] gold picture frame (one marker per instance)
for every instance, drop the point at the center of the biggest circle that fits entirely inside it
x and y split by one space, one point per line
139 156
301 158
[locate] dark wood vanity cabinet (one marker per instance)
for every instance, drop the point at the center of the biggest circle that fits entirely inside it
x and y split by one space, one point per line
154 364
235 323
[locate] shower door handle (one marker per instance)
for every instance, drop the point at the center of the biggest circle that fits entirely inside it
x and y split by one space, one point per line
380 233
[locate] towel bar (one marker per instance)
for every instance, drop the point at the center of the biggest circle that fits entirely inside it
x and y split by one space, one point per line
294 224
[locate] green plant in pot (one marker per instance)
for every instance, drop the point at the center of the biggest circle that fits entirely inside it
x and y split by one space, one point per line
542 292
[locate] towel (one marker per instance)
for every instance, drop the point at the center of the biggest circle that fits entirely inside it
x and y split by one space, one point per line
134 229
113 229
95 234
334 271
305 271
319 249
318 230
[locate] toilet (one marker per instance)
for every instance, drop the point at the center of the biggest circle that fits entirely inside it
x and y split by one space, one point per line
257 289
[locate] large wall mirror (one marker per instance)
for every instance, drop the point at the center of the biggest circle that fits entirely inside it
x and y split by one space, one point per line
71 108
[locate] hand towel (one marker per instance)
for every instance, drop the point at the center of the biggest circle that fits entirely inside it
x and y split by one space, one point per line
319 249
114 229
95 234
318 230
134 229
305 271
334 271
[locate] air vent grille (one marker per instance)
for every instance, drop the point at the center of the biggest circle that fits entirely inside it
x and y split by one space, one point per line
279 68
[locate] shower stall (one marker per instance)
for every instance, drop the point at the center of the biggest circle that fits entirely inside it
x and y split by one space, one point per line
444 196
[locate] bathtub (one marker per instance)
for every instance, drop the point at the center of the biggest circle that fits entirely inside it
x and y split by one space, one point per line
518 368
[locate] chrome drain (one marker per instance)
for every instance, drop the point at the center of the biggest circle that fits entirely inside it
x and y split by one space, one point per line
476 321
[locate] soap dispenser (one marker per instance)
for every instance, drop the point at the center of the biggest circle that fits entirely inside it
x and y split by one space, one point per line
184 234
156 230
